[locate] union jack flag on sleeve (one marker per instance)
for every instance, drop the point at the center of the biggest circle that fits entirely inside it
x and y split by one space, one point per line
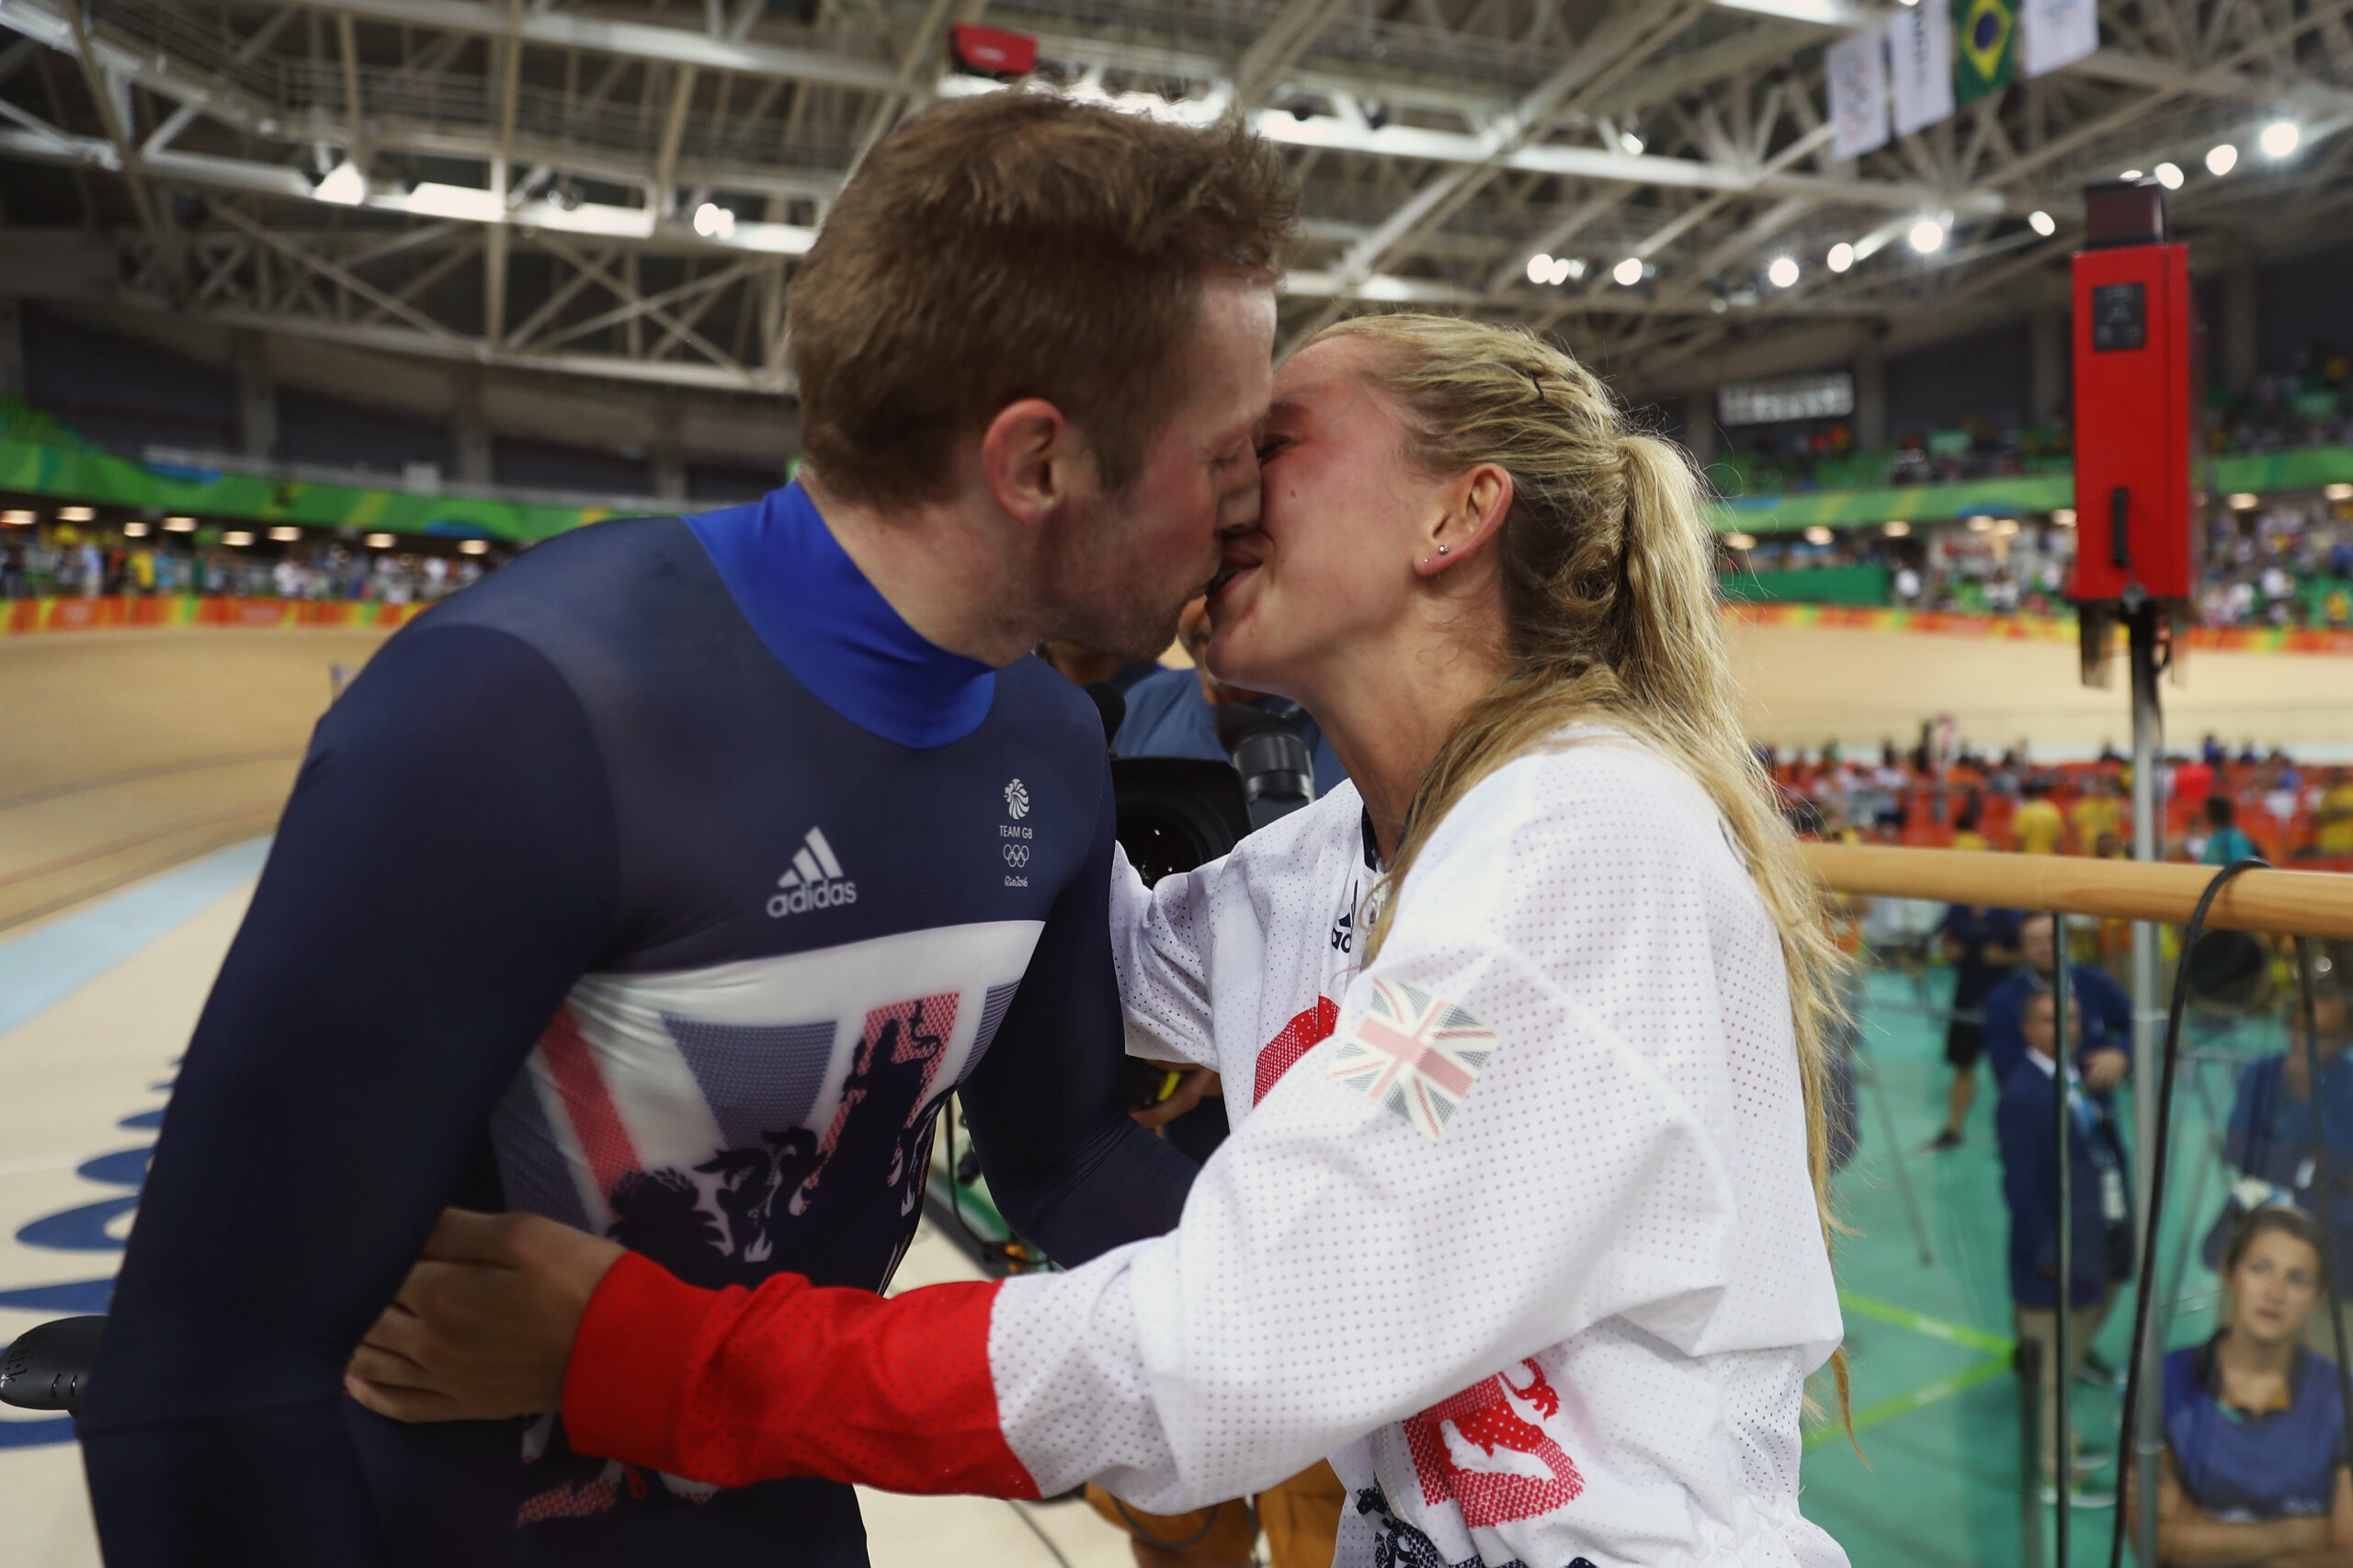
1415 1054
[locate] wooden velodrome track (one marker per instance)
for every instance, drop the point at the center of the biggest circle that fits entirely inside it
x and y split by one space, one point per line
127 752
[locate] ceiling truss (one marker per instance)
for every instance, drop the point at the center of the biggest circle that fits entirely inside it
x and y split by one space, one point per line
621 188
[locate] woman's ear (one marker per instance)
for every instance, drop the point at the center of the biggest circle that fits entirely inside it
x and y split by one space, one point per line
1474 514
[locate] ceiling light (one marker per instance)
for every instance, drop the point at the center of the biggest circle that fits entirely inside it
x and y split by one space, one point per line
1718 304
180 525
77 514
1820 535
1927 236
1628 272
474 547
1979 524
379 542
1783 272
2279 138
713 222
1896 527
2065 517
2169 176
1559 271
1631 142
2221 158
18 519
135 530
343 185
2131 174
236 539
2006 527
285 535
1576 265
2042 223
2241 501
1539 268
467 203
1747 542
1842 256
2339 491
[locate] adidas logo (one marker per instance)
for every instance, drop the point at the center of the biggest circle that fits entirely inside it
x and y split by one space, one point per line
815 881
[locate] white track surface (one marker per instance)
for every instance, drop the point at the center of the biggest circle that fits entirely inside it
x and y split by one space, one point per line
95 1007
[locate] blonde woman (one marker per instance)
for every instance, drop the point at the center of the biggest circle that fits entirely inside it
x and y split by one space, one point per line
1520 1223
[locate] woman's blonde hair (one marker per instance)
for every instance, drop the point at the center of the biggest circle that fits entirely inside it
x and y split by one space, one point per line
1609 600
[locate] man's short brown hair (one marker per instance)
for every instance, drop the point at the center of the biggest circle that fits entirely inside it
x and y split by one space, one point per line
1018 245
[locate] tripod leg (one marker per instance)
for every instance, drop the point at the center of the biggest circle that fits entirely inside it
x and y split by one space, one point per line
1878 1090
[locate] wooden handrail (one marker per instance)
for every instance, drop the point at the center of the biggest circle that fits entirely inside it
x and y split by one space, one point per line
2302 904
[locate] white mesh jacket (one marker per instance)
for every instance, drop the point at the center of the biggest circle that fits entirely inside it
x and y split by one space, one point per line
1515 1225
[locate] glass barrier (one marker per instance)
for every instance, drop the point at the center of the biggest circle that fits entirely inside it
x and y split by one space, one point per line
1935 1474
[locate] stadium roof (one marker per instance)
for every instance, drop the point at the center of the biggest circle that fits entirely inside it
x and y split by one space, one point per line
620 189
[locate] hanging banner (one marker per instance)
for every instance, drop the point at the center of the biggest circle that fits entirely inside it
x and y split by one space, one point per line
1920 59
1985 49
2052 33
1857 67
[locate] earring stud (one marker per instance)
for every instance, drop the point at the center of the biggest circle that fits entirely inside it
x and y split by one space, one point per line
1442 549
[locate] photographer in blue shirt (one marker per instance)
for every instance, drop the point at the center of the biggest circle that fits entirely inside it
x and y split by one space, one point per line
1174 714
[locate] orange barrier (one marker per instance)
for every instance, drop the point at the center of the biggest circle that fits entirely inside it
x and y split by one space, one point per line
2038 629
22 617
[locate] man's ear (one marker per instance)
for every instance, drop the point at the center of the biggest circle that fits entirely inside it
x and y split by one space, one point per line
1032 457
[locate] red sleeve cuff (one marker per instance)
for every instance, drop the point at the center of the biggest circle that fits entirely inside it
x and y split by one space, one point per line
735 1386
633 1363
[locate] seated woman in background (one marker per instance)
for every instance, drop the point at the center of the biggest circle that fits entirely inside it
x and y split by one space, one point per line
2255 1462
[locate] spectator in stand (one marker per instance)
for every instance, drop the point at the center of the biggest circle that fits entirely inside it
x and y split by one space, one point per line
2099 1222
2101 810
2225 840
2106 1057
2038 827
2269 1137
2333 817
1964 827
1983 946
2254 1468
13 584
2196 778
1174 714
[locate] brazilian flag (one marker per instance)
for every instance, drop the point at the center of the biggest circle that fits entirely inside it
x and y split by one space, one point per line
1986 48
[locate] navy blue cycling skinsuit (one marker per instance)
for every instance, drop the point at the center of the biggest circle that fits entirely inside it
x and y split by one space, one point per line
664 883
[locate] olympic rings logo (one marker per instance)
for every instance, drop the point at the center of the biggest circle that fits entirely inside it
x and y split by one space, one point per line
1016 855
